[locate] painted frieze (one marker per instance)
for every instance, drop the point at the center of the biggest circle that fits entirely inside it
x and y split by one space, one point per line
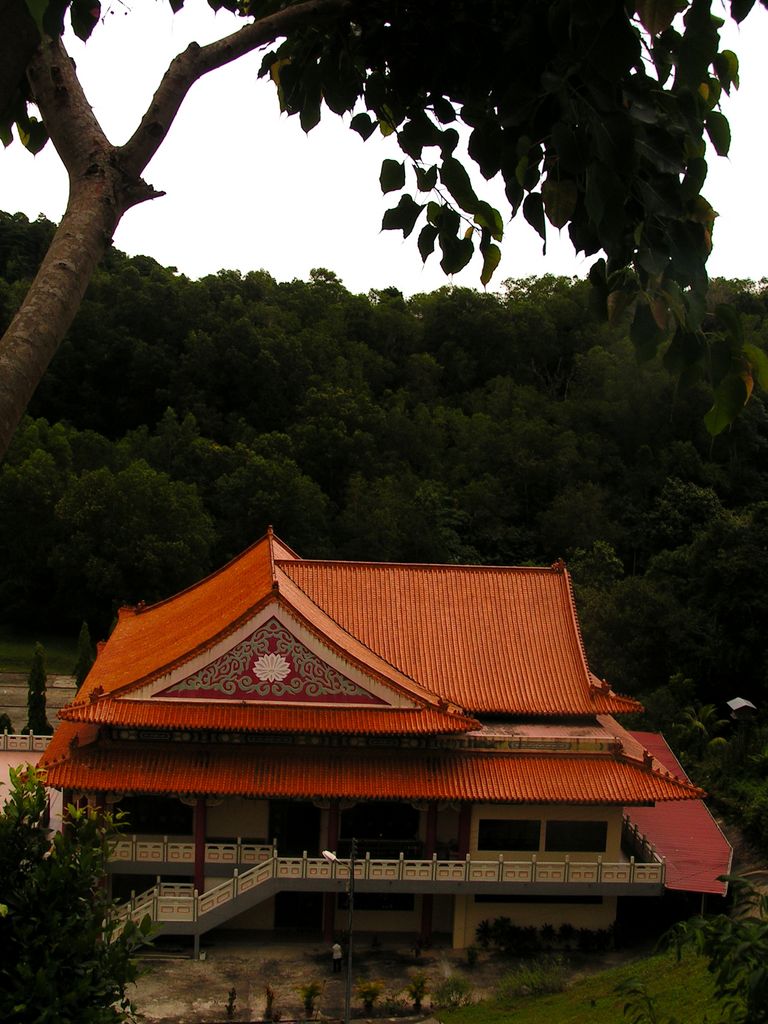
271 665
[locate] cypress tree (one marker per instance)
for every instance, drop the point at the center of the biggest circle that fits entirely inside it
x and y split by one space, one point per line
85 656
36 720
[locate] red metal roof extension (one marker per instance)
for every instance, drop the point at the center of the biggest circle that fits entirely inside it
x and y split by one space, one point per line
687 835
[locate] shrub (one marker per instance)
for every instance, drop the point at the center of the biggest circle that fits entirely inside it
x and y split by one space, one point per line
231 1003
310 993
484 933
548 936
453 991
269 1004
594 940
369 990
545 977
513 939
417 988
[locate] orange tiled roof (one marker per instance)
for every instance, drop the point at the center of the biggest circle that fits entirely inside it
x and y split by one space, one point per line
488 639
502 640
186 715
370 774
167 633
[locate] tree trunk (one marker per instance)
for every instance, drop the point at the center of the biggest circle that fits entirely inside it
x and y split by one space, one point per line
36 331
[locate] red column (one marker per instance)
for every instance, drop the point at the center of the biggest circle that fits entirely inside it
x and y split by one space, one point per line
200 830
329 900
430 845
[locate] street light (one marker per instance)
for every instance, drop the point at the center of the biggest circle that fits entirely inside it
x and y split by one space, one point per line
330 856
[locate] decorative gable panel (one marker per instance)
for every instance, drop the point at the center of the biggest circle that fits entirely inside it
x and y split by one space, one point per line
271 665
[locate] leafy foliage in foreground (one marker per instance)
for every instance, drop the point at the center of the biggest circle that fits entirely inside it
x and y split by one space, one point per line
62 959
596 117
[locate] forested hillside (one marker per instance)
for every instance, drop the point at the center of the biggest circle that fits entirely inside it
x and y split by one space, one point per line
181 417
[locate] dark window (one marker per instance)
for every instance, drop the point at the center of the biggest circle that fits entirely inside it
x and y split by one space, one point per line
576 836
538 899
378 901
508 834
156 815
382 828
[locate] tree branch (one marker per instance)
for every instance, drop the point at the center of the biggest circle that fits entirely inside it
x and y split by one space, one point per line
76 134
188 67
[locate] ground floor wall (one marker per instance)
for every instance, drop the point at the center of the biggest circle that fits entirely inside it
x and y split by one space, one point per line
470 911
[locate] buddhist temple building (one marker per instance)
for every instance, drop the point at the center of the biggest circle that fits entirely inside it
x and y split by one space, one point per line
443 717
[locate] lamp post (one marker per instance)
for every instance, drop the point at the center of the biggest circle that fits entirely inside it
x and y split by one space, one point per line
330 856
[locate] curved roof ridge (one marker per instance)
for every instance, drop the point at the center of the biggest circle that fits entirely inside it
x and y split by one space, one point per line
141 608
562 570
441 566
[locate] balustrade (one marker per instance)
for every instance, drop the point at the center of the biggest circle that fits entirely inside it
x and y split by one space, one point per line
167 903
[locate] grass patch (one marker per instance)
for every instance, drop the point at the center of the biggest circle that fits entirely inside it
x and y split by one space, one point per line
16 651
683 989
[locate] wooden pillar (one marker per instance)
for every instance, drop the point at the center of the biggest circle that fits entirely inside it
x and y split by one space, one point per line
465 822
430 847
200 815
329 899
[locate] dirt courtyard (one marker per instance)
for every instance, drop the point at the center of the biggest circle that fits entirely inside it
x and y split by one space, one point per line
175 989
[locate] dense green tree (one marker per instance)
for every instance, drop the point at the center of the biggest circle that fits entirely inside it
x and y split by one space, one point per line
63 958
135 534
37 681
85 655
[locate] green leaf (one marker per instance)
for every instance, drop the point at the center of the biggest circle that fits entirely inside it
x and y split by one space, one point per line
426 242
719 132
84 14
33 134
456 180
730 318
645 333
402 217
417 133
457 252
443 109
730 398
695 177
727 68
741 8
491 259
658 15
392 177
363 125
758 361
559 201
533 211
426 178
37 9
486 216
449 140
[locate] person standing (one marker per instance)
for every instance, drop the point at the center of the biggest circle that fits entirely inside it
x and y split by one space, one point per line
336 955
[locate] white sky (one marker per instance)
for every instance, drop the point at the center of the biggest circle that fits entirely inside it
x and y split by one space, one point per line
247 190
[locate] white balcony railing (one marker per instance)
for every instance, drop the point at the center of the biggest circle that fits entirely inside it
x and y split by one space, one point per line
180 902
23 742
168 850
